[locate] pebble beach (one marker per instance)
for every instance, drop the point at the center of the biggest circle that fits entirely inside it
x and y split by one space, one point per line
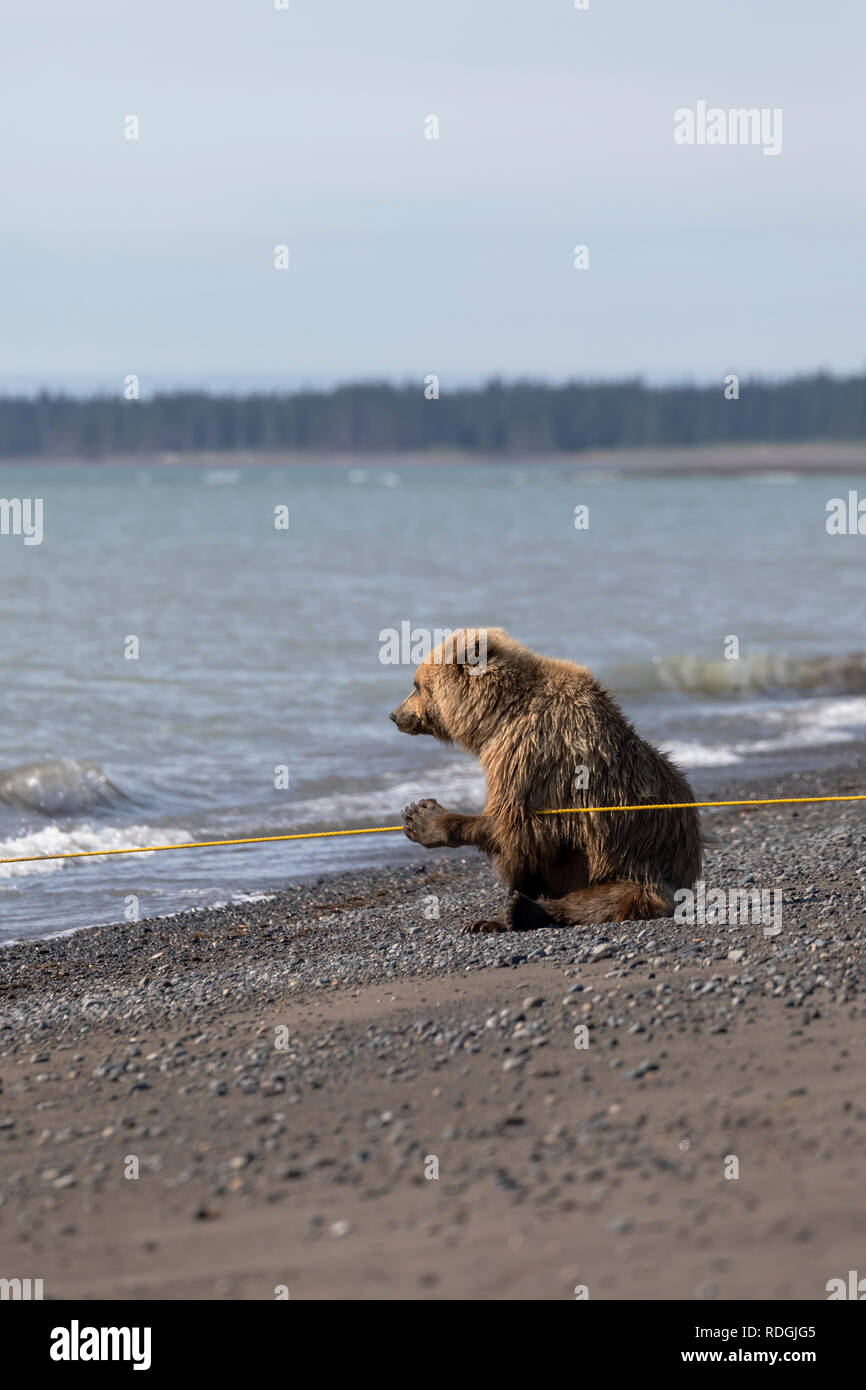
332 1091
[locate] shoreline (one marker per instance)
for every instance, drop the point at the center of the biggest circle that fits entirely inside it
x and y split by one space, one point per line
299 1157
807 458
348 896
705 782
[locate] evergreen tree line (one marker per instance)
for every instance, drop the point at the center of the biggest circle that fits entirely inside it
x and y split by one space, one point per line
519 417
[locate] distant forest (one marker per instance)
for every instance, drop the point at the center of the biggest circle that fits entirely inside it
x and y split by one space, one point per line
517 417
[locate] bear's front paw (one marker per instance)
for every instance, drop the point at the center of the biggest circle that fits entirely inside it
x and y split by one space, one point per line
488 924
423 823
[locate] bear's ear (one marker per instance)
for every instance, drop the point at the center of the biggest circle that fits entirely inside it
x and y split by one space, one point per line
497 639
480 648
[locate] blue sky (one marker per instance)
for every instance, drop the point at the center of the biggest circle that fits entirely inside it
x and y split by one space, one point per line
305 127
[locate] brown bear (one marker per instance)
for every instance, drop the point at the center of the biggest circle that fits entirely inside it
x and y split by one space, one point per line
534 722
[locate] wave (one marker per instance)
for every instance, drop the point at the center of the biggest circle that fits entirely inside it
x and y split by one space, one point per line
758 673
58 788
53 840
690 754
460 784
794 729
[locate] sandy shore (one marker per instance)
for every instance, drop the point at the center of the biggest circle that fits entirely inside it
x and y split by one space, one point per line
286 1077
813 456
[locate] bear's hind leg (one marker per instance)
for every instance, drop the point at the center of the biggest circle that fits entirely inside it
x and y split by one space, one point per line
606 902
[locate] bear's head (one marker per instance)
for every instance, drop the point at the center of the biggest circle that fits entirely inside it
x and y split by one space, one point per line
465 686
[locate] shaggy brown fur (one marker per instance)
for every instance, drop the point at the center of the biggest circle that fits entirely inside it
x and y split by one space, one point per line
533 722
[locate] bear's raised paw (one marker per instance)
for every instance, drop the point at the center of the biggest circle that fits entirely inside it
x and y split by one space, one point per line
423 823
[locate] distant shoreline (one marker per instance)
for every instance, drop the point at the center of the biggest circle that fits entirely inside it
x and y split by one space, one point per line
716 459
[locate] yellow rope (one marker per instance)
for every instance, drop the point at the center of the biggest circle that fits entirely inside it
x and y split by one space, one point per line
388 829
683 805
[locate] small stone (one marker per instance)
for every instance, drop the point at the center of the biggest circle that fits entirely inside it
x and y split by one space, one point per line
620 1227
640 1070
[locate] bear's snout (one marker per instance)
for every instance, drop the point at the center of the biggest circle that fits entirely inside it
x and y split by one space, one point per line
406 719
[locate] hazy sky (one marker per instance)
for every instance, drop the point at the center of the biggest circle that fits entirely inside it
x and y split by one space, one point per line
305 127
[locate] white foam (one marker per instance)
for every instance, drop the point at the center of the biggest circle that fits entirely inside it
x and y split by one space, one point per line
702 754
54 840
832 713
813 724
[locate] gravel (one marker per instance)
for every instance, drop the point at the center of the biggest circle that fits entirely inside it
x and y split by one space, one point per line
371 927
